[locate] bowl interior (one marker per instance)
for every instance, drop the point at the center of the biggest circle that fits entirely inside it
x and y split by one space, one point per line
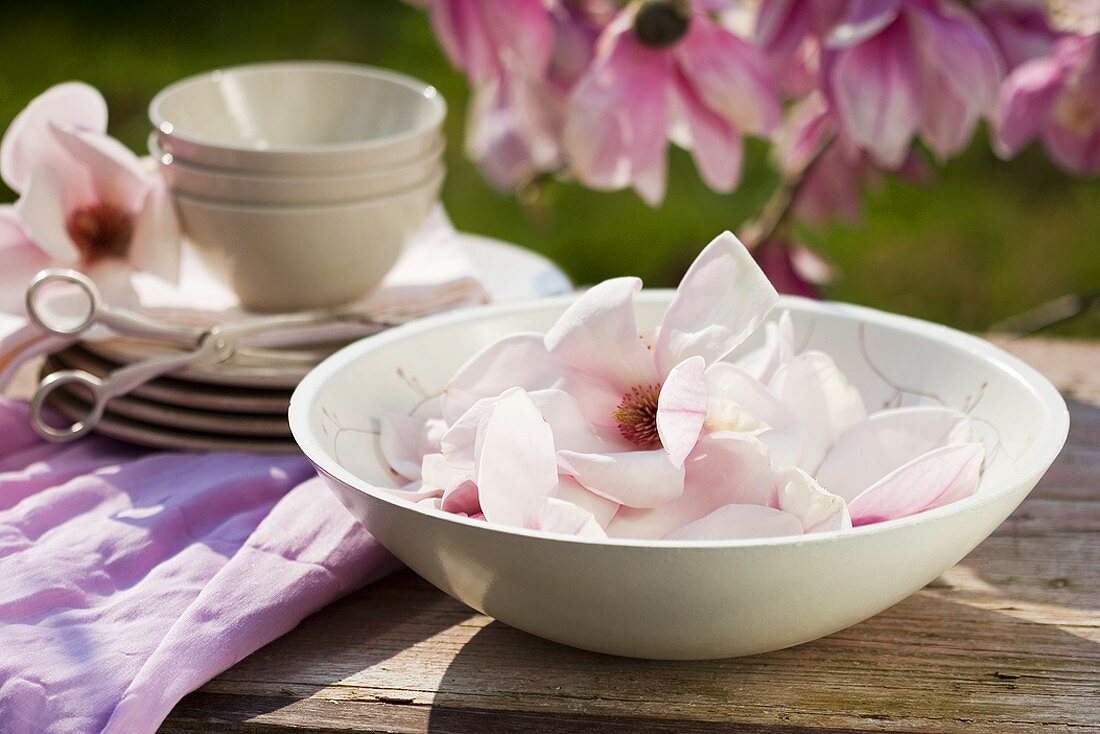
296 107
892 360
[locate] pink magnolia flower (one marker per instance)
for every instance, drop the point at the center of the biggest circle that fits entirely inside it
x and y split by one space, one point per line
893 70
692 82
1056 98
1021 28
641 397
514 121
86 201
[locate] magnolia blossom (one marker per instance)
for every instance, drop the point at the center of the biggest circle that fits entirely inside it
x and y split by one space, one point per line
1056 98
893 70
599 429
86 201
1021 28
658 76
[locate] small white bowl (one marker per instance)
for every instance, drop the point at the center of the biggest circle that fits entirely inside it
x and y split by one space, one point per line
292 258
223 185
300 118
683 599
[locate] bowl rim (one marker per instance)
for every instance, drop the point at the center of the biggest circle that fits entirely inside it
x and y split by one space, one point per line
420 89
1048 444
435 154
434 181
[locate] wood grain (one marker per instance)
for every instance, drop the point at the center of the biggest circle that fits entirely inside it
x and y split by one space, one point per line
1007 641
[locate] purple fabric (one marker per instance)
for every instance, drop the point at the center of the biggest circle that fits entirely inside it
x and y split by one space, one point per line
129 577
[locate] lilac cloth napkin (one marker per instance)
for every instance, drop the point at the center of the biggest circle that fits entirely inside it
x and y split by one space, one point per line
129 578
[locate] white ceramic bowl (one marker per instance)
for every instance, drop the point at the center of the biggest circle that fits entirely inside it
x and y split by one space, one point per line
683 599
301 118
289 258
255 188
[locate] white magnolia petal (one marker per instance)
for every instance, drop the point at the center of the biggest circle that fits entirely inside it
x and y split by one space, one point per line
516 461
631 478
722 299
682 409
598 336
42 211
552 515
817 509
823 404
739 522
517 360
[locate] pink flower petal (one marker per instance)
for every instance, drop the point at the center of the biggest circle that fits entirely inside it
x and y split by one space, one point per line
816 509
402 441
570 490
517 459
1026 100
738 402
460 442
437 471
28 142
617 120
511 131
726 468
44 216
823 404
715 146
939 477
155 245
779 348
739 522
461 498
730 76
887 440
598 336
116 173
22 260
722 299
518 360
682 409
875 89
415 492
551 515
631 478
861 20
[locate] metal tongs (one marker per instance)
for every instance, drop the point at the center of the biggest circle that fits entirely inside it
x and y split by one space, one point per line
201 346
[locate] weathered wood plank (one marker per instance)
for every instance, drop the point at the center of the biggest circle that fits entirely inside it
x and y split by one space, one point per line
1007 641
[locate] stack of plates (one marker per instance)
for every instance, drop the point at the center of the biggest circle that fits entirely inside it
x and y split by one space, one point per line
228 407
241 404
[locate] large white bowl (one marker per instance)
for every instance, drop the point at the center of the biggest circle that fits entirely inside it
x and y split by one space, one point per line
255 188
684 599
298 117
282 258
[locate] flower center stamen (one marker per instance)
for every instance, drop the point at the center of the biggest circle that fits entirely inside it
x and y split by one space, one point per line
636 415
661 23
100 231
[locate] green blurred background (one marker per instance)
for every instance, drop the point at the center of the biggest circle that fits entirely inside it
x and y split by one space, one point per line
989 239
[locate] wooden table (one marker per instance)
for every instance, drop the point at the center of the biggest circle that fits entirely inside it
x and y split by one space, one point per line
1007 641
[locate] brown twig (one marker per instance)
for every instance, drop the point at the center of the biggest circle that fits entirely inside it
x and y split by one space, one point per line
778 207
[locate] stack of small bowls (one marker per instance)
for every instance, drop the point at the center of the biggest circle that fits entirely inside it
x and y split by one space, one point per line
300 183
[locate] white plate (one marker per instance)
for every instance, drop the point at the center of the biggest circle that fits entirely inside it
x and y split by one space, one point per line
159 437
185 394
509 272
